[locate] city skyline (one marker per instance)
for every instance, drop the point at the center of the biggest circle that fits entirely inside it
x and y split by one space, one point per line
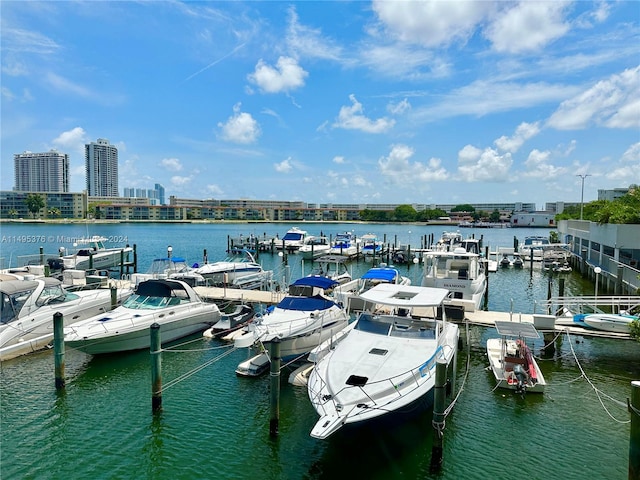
332 102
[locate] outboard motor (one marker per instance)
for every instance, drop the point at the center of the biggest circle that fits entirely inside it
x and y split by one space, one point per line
55 263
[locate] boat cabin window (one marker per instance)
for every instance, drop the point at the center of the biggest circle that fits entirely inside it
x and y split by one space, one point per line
371 324
12 304
54 294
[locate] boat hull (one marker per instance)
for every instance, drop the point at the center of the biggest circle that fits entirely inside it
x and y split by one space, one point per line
505 377
607 322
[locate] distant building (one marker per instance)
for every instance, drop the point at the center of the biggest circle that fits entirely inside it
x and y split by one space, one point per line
41 172
533 219
613 194
101 165
160 195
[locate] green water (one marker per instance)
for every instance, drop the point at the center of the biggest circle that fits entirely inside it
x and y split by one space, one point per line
216 425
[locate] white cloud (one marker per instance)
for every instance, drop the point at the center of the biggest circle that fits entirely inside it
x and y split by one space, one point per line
351 118
613 103
528 26
171 164
284 166
523 133
399 108
483 165
432 23
632 154
72 140
338 159
309 43
214 190
538 166
180 181
286 76
398 168
241 127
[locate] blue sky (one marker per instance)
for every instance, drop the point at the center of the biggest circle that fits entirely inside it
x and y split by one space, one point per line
340 102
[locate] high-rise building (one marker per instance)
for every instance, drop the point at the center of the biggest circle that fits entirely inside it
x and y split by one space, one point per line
160 193
101 165
41 172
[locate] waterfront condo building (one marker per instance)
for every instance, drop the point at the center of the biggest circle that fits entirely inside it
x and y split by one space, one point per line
101 165
41 172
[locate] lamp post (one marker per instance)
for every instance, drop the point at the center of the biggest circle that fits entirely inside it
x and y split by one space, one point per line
583 176
597 271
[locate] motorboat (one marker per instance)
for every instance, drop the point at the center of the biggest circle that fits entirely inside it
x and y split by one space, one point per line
371 245
237 271
349 293
608 322
386 363
449 241
505 261
346 244
92 253
333 267
314 247
517 261
229 322
511 360
28 307
169 267
303 319
459 271
254 366
172 304
533 247
292 240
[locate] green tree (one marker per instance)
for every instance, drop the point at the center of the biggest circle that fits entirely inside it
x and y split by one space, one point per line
405 213
13 213
34 203
53 212
495 216
428 214
463 208
623 210
374 215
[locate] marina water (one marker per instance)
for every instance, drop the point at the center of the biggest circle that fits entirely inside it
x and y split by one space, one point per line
216 425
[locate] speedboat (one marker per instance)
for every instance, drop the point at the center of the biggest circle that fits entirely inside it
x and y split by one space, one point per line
517 261
504 261
449 241
333 267
386 363
533 247
303 319
607 322
169 267
314 247
28 306
349 293
293 239
371 245
230 322
345 244
238 271
92 254
459 271
172 304
511 360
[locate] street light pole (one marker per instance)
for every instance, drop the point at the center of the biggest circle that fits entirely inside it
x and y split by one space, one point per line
583 176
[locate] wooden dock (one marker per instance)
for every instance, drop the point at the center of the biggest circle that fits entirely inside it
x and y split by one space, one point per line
239 295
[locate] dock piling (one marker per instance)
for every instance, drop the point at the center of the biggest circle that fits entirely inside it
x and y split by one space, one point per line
156 369
439 397
274 399
634 431
58 349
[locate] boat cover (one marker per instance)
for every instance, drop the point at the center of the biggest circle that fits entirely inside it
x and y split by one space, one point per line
316 281
160 288
386 274
305 304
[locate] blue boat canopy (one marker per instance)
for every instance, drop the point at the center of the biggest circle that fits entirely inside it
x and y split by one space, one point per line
305 304
316 281
386 274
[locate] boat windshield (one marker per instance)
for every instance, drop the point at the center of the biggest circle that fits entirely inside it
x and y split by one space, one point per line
54 294
148 302
12 303
372 324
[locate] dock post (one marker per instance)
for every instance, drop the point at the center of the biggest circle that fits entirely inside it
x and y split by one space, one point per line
619 274
156 369
634 431
114 296
439 397
274 398
121 262
90 260
205 257
58 349
41 255
135 258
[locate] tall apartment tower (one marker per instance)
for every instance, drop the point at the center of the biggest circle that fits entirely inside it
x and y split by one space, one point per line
160 193
41 172
101 165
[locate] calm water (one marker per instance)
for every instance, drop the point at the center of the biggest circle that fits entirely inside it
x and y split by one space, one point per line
215 425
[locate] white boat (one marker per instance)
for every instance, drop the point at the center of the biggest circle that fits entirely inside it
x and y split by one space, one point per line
371 245
237 270
349 293
333 267
314 247
301 320
449 241
93 254
459 271
168 267
254 366
346 244
511 360
28 306
172 304
386 363
533 246
293 239
505 261
230 322
608 322
517 261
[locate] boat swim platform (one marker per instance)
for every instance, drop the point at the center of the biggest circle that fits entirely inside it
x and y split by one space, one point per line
561 324
266 297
